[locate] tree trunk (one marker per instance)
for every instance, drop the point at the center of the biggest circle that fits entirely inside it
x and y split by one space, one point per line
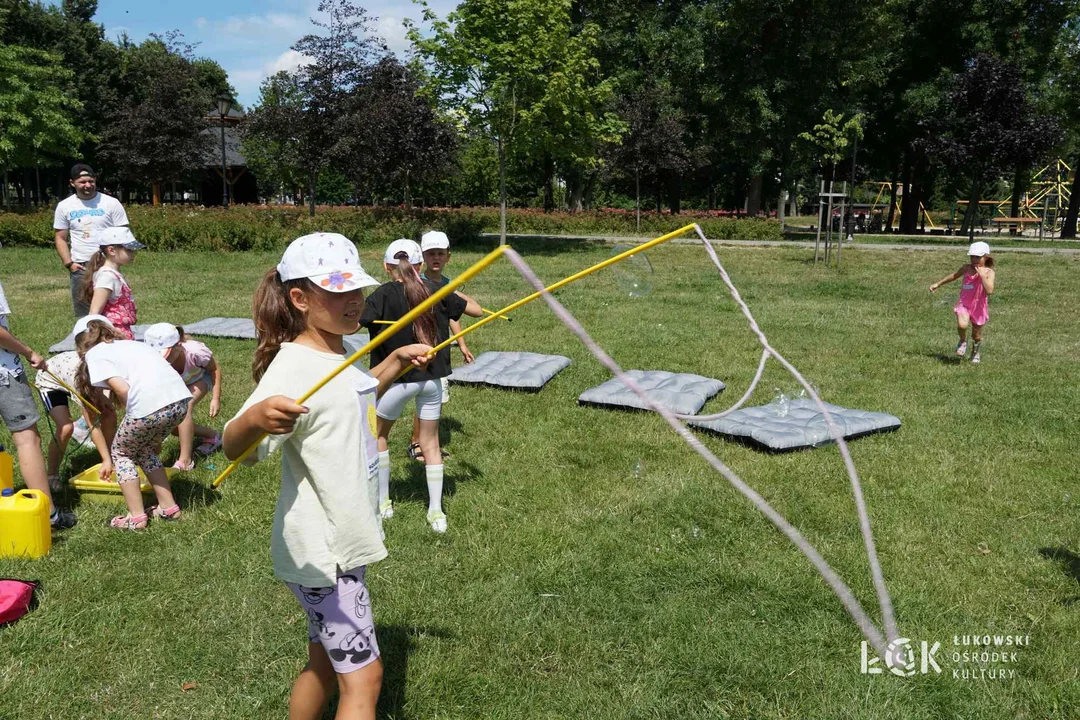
408 192
827 176
313 180
1068 230
6 190
675 193
892 200
1019 184
157 194
637 200
968 226
37 181
502 192
549 183
575 186
753 204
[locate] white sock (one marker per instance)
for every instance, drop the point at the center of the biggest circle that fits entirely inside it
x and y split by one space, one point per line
434 487
384 477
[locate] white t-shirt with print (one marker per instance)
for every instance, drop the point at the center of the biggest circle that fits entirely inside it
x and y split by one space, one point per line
326 518
152 382
10 364
84 219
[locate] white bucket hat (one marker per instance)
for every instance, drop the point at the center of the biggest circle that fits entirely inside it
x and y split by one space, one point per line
409 247
978 249
162 337
329 260
119 236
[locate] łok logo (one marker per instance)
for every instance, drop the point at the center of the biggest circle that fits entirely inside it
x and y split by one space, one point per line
900 658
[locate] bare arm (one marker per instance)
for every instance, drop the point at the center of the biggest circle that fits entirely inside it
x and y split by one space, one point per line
215 397
98 300
943 281
17 346
120 388
472 308
455 328
60 239
275 415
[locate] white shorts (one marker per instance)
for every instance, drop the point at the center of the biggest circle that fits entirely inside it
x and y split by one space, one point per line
428 396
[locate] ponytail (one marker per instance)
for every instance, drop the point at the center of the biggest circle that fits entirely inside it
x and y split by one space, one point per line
425 329
989 262
86 289
277 320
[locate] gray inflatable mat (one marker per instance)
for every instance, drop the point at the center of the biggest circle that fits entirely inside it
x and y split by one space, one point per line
68 343
516 370
243 328
802 426
681 393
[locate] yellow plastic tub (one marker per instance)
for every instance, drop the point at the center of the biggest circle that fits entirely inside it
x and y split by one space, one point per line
24 523
92 487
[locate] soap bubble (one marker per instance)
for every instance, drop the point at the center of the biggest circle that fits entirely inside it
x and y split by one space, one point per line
634 274
817 429
638 469
780 404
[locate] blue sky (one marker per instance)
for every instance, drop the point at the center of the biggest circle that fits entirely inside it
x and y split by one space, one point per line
249 39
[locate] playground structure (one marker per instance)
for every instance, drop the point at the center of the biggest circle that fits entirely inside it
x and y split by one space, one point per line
1043 205
881 204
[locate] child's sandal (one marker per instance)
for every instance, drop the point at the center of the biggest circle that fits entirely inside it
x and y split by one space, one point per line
129 522
167 514
414 452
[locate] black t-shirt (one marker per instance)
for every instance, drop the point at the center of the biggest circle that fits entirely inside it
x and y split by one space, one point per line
388 302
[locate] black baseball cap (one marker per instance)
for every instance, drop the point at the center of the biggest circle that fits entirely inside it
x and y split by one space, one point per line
80 169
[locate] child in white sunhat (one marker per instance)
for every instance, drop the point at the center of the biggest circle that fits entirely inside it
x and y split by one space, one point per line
202 374
155 400
435 246
104 288
973 305
391 301
326 529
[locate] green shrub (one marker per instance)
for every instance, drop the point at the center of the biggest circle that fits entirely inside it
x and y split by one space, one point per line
265 227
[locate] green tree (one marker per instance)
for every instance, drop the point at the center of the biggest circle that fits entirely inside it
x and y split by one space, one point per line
35 109
514 64
273 154
156 114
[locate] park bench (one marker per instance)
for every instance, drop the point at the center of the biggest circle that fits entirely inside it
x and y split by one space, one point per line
1021 222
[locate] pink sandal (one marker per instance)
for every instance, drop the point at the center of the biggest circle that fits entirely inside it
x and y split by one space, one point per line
211 446
167 514
184 468
129 522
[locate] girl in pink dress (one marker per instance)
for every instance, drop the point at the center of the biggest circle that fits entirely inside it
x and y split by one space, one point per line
104 288
973 306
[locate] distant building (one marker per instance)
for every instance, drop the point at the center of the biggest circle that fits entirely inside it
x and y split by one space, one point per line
242 185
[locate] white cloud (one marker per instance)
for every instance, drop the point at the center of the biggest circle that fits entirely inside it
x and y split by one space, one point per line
391 29
287 61
200 22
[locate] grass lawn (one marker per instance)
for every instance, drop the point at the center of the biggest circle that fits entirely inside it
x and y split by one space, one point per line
594 566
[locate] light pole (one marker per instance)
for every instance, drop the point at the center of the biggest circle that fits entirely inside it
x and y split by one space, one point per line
224 104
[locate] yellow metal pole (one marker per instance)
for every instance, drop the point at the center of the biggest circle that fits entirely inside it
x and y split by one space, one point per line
565 281
376 342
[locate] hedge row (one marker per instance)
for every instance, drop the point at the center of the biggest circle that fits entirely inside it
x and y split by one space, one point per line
266 227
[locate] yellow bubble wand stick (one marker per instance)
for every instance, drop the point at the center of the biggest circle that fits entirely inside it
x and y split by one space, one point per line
555 286
71 390
382 337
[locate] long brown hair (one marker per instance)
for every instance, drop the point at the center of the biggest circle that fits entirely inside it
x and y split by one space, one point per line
277 320
96 333
86 290
425 329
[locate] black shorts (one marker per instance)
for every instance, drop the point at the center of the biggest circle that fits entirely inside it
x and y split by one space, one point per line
54 398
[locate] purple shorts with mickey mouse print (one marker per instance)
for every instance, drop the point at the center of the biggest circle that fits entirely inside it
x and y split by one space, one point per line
340 618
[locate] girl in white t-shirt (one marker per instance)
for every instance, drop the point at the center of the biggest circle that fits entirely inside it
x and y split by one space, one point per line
326 528
156 400
104 288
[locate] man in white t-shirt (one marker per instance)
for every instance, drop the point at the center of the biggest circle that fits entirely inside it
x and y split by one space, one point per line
79 218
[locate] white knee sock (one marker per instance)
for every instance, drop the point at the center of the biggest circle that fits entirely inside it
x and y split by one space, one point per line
434 487
384 476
